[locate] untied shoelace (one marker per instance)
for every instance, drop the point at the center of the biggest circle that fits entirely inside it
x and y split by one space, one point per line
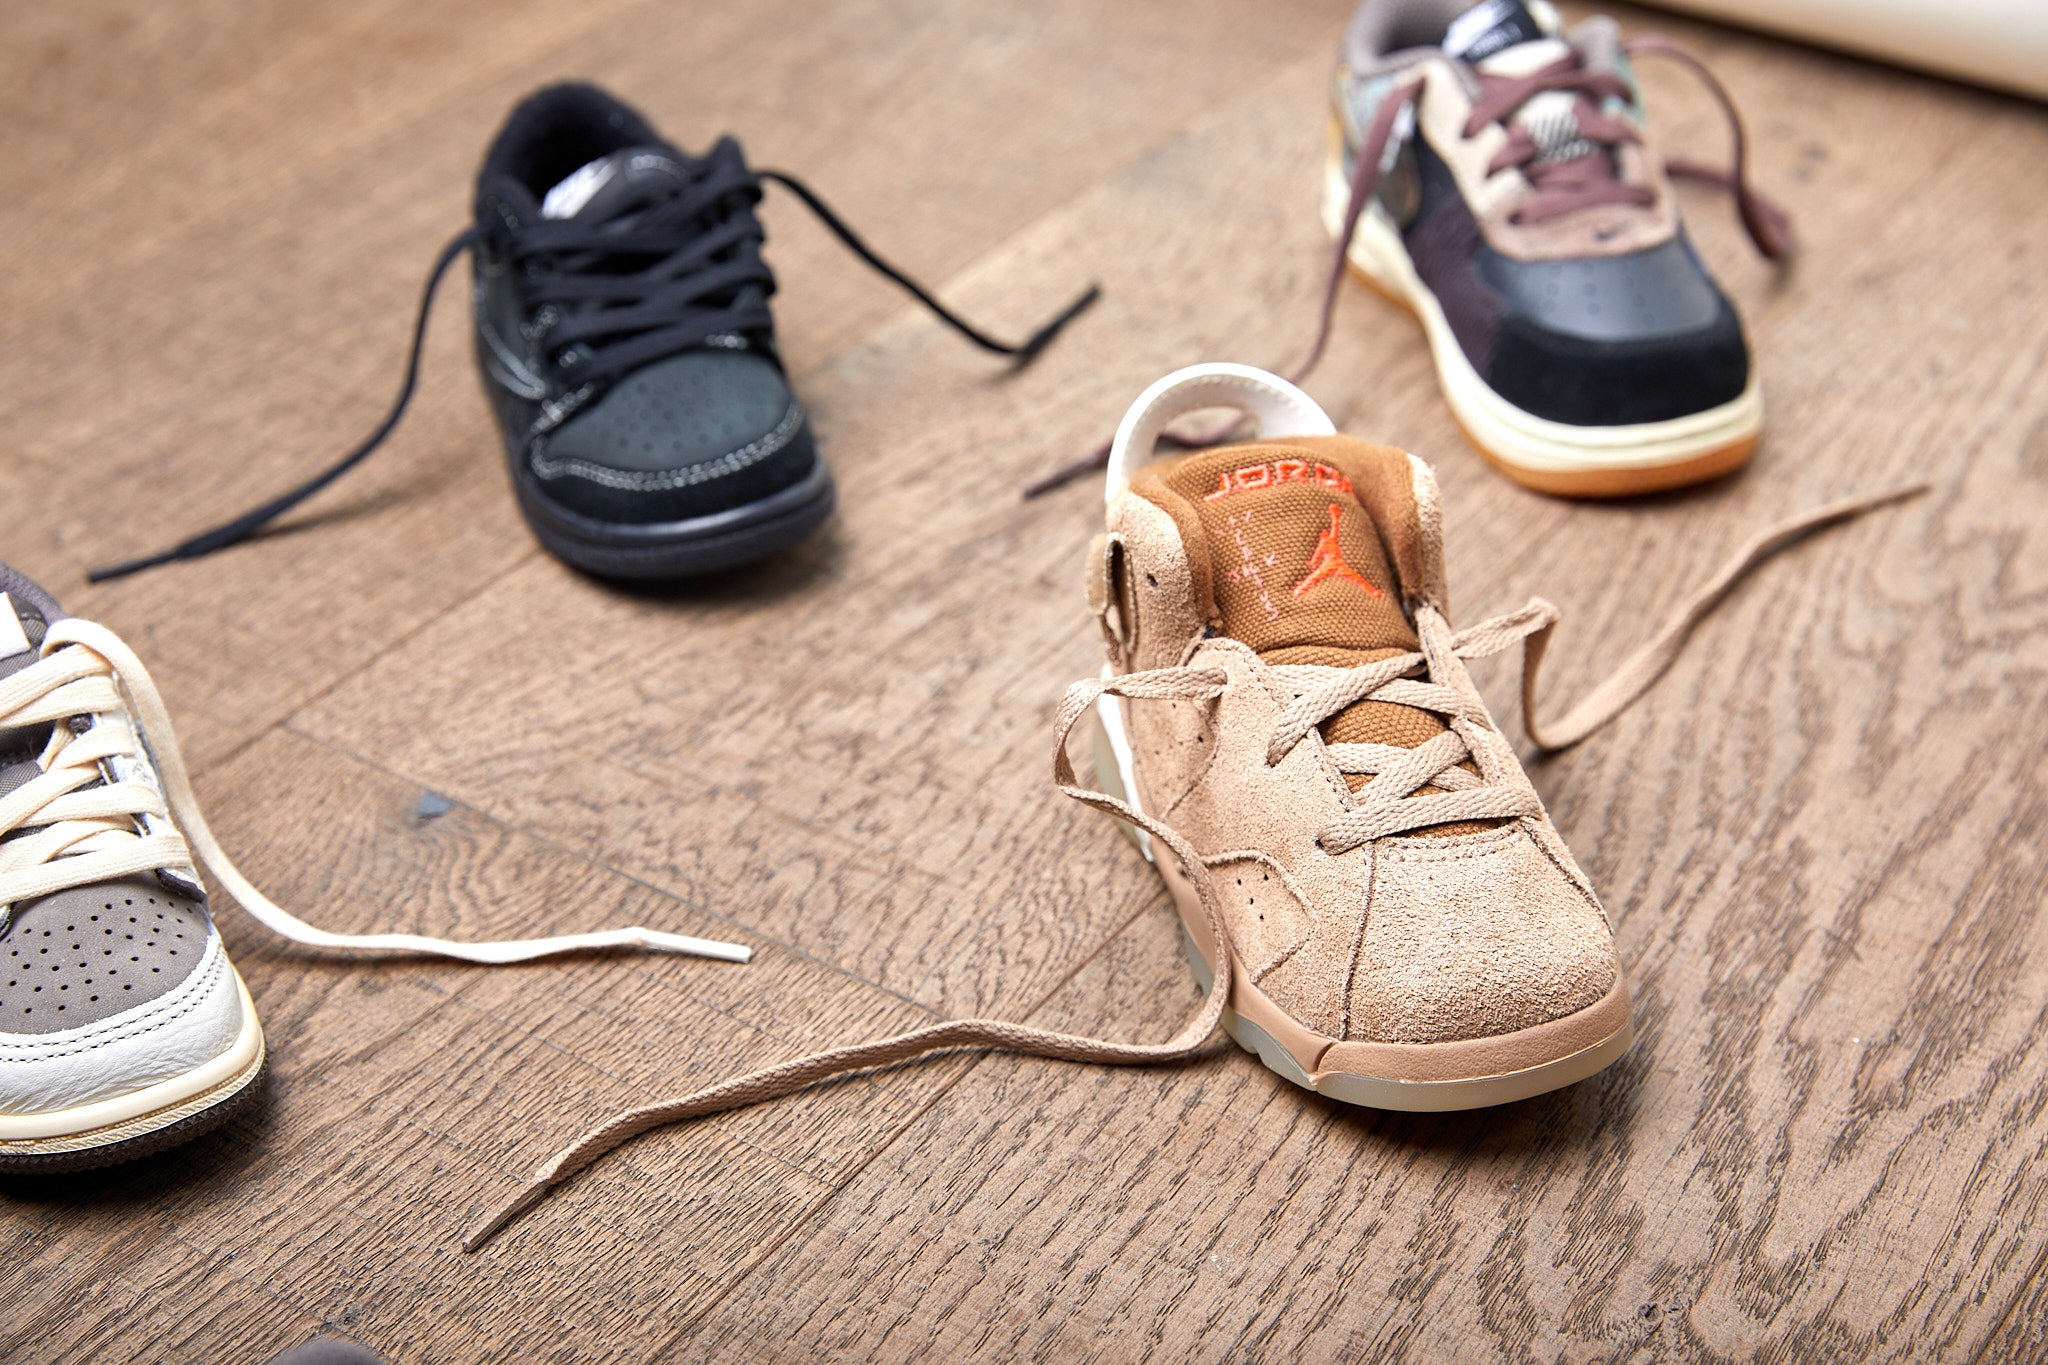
1386 805
94 812
679 282
1557 188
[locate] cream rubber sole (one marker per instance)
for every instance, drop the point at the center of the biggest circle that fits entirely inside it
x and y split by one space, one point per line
1552 457
144 1121
1470 1073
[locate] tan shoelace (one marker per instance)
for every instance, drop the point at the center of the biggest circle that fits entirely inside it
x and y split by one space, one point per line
1498 790
75 833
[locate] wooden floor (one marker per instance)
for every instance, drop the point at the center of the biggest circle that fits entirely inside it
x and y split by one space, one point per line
1820 838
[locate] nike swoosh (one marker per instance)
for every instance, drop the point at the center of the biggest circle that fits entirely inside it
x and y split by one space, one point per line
507 368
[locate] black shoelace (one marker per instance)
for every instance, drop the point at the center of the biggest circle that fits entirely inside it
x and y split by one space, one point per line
704 278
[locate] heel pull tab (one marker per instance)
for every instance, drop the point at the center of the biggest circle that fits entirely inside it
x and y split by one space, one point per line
1111 597
1276 407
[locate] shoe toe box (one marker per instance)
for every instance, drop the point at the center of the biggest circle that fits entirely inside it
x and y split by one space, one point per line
1473 937
1614 341
690 436
107 990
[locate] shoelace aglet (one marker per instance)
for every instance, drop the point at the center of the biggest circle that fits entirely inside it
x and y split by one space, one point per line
241 528
1770 227
514 1207
686 943
1043 337
128 566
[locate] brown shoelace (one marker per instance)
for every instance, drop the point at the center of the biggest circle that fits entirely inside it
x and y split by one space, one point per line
1386 805
1558 188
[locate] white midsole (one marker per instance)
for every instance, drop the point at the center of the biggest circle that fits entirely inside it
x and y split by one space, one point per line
166 1094
1509 433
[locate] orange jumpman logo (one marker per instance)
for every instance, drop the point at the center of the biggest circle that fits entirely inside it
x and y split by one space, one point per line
1328 562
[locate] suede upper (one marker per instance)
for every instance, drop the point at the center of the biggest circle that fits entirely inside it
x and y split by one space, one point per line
1441 934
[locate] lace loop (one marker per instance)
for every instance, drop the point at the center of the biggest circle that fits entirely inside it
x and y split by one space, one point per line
1768 225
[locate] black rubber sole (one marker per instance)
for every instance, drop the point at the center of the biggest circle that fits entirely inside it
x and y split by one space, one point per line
143 1144
682 549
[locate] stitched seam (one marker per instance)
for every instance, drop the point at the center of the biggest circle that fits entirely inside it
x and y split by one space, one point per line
1307 909
1486 845
1372 876
179 1002
1280 958
1209 725
509 382
729 463
514 374
1588 896
1208 762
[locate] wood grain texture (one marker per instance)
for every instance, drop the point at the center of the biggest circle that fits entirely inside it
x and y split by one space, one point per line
1820 838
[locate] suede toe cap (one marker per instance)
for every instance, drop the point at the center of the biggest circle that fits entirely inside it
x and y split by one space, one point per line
1473 937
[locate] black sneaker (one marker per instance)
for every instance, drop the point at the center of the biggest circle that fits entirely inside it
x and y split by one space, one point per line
623 334
627 349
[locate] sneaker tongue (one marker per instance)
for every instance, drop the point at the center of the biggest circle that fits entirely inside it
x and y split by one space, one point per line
611 185
1296 556
1299 574
21 634
1505 38
1492 26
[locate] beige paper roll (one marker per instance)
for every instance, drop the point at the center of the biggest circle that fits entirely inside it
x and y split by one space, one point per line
2001 43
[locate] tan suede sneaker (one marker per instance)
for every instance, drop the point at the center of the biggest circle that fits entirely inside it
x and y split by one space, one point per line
1374 901
1407 929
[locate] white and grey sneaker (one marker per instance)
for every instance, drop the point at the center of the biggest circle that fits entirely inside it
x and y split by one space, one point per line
123 1026
124 1029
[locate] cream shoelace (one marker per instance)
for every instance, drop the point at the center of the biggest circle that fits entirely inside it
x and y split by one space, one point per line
1386 805
94 813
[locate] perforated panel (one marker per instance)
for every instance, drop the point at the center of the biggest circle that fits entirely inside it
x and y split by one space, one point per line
82 955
